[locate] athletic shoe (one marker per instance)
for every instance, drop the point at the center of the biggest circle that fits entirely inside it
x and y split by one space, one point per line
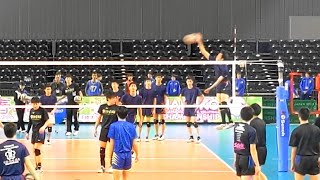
39 169
220 127
18 130
23 131
102 170
230 125
110 170
138 139
68 133
156 137
198 140
48 142
161 138
75 133
190 139
147 139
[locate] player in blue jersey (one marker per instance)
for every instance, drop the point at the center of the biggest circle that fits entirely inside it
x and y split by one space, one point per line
160 98
173 86
14 156
240 85
147 94
306 86
94 87
49 99
122 136
191 95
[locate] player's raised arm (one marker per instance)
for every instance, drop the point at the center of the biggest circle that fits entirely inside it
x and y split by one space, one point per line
199 40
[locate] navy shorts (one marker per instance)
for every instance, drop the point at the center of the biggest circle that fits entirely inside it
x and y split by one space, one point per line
224 87
147 112
189 112
37 137
121 161
306 165
104 135
244 165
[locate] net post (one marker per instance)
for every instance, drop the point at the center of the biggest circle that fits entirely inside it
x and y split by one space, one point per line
283 129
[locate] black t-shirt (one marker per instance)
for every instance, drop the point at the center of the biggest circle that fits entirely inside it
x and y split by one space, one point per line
71 91
260 126
306 138
244 135
37 119
109 115
220 70
57 88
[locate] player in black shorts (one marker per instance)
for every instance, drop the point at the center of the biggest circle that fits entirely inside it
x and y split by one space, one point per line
260 126
107 116
304 142
147 94
189 96
39 121
222 84
72 91
246 159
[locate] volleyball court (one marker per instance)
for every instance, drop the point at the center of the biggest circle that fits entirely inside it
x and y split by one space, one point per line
78 159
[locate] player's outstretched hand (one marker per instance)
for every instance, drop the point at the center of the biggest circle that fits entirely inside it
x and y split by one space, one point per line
136 159
257 170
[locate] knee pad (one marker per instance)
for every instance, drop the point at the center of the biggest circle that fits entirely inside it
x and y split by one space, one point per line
148 124
162 121
49 129
102 150
195 125
37 152
156 121
189 124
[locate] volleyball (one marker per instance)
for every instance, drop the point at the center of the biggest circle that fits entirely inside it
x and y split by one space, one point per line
190 38
77 99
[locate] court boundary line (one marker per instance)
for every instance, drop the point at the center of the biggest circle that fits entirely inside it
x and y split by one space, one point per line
145 158
219 158
139 171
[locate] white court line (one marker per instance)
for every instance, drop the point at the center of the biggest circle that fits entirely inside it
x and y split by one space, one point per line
138 171
139 158
214 154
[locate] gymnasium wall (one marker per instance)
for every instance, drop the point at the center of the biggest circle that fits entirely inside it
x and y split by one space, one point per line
149 19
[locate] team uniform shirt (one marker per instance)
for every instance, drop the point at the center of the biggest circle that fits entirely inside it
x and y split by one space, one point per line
127 99
71 91
306 138
119 93
190 96
240 86
244 135
307 84
123 133
12 154
109 115
173 88
48 100
57 88
37 119
159 93
260 126
94 88
147 96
